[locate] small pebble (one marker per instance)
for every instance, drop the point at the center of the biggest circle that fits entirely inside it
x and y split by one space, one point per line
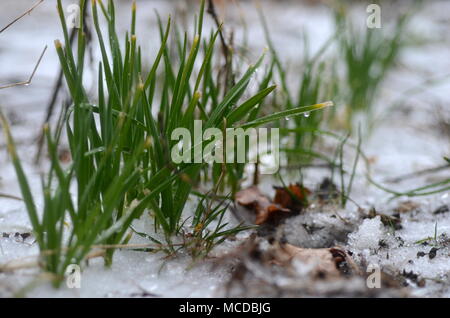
420 254
432 253
442 209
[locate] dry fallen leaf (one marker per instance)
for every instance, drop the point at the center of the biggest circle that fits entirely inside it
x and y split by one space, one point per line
294 197
328 262
406 206
264 209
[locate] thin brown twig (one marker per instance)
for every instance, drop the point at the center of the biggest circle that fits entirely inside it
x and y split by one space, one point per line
22 263
309 165
11 267
21 16
212 11
42 54
226 49
27 82
50 108
55 92
10 196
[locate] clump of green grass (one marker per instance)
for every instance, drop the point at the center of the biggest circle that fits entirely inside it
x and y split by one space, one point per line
368 56
316 83
186 94
120 143
67 229
310 79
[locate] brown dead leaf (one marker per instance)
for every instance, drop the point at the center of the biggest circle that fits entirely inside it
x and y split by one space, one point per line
406 206
264 209
294 197
328 262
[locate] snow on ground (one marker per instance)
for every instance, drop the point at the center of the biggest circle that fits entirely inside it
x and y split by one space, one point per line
406 140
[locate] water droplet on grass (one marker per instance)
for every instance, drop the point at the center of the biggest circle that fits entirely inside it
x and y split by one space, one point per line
306 114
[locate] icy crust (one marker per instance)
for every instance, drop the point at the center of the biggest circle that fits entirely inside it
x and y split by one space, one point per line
420 248
316 228
133 274
368 235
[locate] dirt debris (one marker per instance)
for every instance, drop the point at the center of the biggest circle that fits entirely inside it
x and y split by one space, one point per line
442 209
264 210
407 206
279 269
293 197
